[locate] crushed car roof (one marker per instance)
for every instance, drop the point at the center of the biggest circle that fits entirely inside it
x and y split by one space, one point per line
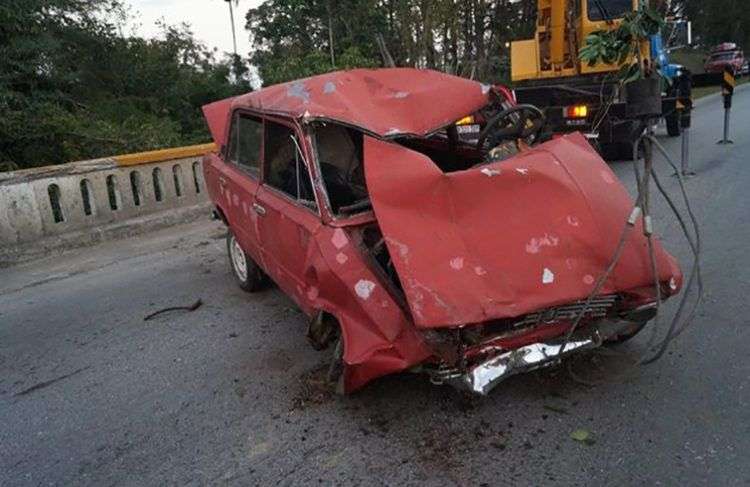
385 102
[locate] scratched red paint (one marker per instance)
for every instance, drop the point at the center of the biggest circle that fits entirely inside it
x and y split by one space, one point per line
497 241
490 221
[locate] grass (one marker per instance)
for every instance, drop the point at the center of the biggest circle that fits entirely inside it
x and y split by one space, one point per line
708 90
692 59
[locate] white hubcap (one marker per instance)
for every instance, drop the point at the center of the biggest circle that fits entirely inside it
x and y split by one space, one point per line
239 264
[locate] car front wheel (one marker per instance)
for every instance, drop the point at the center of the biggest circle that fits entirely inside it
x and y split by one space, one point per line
627 335
249 276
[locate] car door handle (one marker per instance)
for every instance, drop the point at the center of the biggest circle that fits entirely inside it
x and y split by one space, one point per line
259 209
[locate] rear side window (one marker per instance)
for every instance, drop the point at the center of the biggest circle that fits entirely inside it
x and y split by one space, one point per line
245 143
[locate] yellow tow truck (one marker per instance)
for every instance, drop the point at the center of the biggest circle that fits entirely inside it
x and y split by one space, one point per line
546 72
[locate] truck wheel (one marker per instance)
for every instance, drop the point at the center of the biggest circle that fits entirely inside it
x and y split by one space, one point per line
249 276
674 128
617 151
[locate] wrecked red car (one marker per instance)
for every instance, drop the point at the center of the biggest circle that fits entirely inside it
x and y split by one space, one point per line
411 247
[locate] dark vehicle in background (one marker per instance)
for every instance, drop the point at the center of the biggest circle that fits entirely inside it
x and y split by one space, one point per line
726 54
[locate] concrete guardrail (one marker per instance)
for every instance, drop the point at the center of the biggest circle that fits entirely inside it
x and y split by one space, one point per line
79 203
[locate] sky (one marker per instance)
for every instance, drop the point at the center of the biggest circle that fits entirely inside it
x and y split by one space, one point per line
209 20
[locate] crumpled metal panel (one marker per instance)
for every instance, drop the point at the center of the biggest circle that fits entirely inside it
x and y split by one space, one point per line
217 117
508 238
385 102
379 338
483 377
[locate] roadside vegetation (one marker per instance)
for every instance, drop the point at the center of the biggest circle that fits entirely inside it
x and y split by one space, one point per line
75 85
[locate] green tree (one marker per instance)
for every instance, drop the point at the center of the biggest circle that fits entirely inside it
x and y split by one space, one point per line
296 38
72 87
718 21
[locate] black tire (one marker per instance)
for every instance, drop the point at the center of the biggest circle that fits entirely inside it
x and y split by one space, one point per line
616 151
246 272
674 128
619 339
336 365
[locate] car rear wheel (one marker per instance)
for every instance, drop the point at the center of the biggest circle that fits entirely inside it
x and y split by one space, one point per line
249 276
336 366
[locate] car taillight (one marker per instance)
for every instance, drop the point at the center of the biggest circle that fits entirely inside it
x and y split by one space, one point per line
576 111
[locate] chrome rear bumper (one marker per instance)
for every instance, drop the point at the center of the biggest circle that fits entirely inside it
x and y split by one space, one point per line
481 378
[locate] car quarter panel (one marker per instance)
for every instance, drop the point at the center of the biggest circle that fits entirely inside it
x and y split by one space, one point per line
379 337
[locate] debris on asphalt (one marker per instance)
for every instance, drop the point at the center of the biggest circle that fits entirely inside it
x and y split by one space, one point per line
314 388
582 436
47 383
555 409
190 308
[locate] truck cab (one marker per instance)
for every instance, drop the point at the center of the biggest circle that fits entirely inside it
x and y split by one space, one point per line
546 72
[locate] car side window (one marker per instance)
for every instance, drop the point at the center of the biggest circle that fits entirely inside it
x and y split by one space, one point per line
285 168
340 156
245 143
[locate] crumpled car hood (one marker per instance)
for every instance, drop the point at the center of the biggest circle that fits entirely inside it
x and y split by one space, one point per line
508 238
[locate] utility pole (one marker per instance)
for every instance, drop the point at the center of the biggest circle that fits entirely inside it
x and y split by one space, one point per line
234 34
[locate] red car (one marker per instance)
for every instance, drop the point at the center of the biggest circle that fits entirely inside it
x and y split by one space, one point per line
412 248
723 55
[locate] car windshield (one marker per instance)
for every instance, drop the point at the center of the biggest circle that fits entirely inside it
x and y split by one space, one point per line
608 9
724 56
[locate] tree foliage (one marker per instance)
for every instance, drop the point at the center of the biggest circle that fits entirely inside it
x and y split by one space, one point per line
717 21
296 38
72 87
617 45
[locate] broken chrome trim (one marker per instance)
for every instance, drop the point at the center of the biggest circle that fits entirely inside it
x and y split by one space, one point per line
481 378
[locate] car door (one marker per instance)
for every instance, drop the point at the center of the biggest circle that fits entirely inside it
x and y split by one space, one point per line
287 210
239 179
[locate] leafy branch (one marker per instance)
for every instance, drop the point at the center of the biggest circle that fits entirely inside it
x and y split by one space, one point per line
622 44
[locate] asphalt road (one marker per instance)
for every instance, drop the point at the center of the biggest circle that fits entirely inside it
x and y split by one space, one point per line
91 394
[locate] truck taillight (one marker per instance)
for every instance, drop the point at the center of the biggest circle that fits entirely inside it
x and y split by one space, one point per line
576 111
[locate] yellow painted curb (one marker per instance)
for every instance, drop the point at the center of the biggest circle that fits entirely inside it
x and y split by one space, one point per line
164 154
